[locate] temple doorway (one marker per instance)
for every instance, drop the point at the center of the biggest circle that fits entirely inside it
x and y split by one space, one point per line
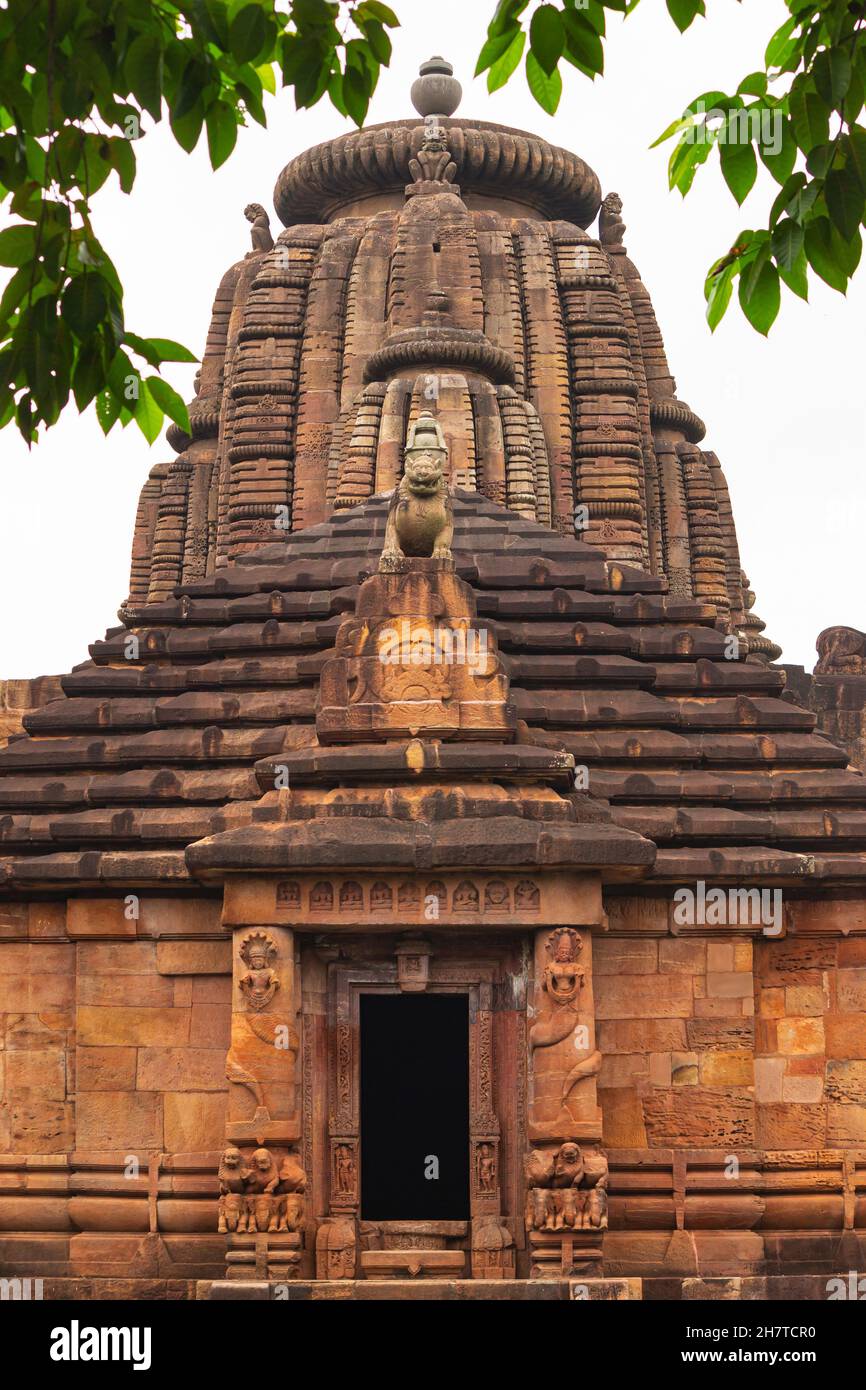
414 1107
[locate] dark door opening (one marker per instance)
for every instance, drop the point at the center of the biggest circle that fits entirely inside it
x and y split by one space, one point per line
414 1107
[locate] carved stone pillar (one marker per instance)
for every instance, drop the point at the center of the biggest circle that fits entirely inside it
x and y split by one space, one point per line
262 1181
566 1201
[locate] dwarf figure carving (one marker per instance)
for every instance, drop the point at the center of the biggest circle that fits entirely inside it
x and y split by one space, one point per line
420 520
289 1201
568 1189
231 1207
261 1181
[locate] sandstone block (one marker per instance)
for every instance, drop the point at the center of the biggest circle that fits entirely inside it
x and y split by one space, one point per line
181 1069
846 1035
194 957
727 1069
106 1068
99 917
194 1123
846 1082
791 1126
798 1035
119 1120
643 996
133 1027
679 957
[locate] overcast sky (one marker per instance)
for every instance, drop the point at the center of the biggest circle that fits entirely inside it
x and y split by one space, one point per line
786 416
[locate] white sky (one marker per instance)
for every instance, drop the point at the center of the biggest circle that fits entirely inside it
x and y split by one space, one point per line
786 416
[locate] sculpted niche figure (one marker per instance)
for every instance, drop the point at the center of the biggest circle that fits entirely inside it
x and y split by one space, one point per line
420 519
260 983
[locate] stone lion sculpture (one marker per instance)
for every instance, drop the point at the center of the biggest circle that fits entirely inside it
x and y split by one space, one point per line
420 519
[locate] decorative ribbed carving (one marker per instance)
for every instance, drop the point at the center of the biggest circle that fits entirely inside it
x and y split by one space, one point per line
377 159
358 473
547 363
607 436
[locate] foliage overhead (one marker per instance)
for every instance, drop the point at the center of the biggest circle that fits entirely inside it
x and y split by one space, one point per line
81 81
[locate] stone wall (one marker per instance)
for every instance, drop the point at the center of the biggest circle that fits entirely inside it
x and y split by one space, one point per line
838 700
18 698
113 1036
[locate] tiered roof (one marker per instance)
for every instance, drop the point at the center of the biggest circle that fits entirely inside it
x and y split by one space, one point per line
698 766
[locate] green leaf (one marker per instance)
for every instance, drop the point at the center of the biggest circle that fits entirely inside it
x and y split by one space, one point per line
143 70
582 43
684 12
170 351
169 401
88 377
147 414
780 45
831 72
17 245
356 94
760 297
187 129
383 13
248 33
779 160
787 243
107 410
717 290
546 88
739 168
547 38
755 85
845 200
85 303
687 157
796 277
222 132
810 118
123 161
505 17
494 48
821 254
854 146
506 63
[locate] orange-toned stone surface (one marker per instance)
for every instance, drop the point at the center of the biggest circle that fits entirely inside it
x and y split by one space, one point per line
285 785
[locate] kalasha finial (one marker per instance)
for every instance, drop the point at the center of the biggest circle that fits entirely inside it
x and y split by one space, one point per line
436 91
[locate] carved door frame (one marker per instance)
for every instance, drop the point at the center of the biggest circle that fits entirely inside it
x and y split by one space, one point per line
347 981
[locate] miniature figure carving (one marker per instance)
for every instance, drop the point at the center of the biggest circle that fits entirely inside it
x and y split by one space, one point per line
568 1190
261 227
344 1167
486 1168
231 1207
261 1180
563 977
260 983
420 520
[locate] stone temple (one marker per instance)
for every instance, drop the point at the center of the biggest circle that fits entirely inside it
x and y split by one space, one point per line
433 877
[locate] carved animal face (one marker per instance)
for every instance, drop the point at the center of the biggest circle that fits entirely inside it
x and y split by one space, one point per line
254 210
424 472
231 1162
